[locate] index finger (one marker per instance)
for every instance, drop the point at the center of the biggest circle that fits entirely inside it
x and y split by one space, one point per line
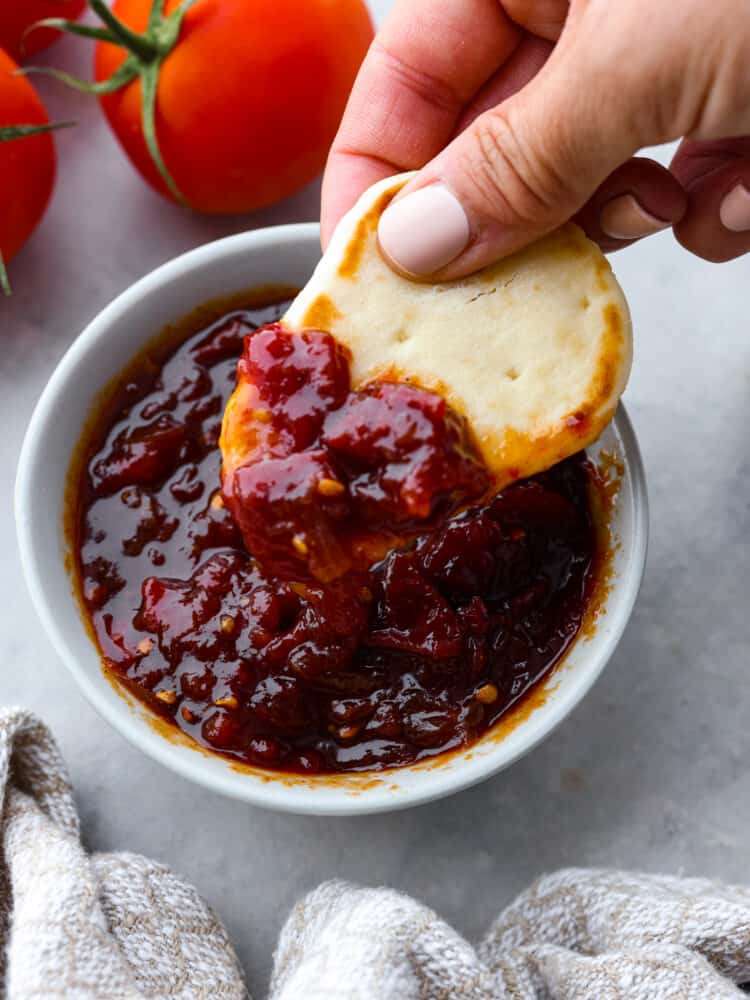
426 63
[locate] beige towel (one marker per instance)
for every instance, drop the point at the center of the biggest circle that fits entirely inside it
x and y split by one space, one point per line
85 926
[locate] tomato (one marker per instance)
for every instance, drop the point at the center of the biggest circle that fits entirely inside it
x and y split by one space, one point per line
27 166
248 100
18 15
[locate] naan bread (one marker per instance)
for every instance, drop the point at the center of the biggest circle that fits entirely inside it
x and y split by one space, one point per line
534 351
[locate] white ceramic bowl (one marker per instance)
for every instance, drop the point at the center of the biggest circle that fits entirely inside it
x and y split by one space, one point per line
282 255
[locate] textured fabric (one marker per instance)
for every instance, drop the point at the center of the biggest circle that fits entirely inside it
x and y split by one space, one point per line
575 935
85 926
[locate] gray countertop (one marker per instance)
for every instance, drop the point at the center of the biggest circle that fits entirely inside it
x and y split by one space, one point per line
650 772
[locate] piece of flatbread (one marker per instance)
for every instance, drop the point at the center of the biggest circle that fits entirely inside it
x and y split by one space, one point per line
534 350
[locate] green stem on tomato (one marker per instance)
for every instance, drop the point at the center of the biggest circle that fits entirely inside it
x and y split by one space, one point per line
155 15
141 46
146 50
149 83
123 75
4 282
72 28
10 132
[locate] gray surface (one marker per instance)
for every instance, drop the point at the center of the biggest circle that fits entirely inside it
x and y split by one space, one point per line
650 772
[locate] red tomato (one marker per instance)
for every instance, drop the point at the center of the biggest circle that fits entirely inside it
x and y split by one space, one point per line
249 99
18 15
27 166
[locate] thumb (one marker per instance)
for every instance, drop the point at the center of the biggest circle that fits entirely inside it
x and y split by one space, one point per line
519 171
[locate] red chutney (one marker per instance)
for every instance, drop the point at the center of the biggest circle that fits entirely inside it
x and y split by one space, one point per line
333 479
256 656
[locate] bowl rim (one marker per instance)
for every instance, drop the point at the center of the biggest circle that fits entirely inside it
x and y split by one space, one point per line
299 798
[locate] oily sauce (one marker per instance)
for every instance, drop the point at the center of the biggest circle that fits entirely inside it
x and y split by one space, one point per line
267 662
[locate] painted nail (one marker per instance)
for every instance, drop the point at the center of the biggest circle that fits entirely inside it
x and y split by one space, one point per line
734 211
624 218
424 231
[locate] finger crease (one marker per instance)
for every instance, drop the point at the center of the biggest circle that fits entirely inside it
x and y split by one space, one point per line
364 155
431 89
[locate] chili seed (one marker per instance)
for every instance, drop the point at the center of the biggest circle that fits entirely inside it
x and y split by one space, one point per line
330 487
300 545
227 624
345 732
168 697
217 501
131 497
487 694
145 646
228 701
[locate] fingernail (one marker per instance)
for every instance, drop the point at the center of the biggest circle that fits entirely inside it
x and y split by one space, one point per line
424 231
624 218
734 211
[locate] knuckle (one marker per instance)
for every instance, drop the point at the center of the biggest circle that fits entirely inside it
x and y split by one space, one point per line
511 176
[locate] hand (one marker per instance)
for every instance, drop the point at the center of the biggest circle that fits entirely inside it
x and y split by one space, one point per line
523 114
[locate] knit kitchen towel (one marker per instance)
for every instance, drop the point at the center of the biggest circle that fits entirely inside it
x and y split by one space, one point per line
84 926
79 926
575 935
